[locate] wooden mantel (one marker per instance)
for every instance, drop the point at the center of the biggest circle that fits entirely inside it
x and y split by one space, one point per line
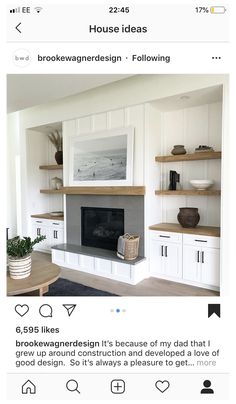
116 190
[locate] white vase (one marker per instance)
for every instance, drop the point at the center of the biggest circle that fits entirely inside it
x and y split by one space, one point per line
19 267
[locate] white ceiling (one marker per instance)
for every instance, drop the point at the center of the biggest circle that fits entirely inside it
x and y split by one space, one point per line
28 90
192 99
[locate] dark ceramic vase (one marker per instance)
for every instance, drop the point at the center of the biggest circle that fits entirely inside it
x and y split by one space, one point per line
59 157
188 217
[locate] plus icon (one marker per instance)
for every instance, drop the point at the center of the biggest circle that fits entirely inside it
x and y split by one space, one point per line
117 386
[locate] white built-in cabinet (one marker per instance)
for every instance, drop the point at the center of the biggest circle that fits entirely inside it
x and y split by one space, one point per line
185 258
166 254
52 229
201 259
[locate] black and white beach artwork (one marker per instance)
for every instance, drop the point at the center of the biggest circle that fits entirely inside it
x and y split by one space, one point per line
102 159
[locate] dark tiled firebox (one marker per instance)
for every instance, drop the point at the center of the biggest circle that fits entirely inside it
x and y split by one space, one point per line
133 214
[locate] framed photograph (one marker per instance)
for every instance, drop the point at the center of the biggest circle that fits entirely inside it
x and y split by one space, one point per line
102 158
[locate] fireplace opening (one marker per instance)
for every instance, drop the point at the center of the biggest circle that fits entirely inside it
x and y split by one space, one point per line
101 227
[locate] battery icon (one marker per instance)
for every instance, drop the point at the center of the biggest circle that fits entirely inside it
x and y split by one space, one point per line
218 10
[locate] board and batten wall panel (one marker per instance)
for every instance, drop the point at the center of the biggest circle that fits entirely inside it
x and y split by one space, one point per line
69 129
152 170
192 127
132 116
116 118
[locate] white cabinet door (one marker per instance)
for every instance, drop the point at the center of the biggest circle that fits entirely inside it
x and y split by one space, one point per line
210 266
191 263
59 257
86 263
156 257
166 258
56 236
172 258
41 230
122 272
103 267
201 265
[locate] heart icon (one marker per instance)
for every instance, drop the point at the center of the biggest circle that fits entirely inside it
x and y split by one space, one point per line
162 385
22 309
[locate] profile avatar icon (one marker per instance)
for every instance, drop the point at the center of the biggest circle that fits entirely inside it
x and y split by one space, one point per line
207 389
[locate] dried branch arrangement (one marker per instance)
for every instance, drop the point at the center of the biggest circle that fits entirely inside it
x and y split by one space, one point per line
56 139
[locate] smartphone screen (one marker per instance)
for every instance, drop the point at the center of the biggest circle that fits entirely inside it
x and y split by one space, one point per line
118 202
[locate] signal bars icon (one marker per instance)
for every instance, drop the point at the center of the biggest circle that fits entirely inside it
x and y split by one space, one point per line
15 10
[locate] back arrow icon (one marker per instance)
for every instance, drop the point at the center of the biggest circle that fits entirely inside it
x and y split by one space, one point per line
18 28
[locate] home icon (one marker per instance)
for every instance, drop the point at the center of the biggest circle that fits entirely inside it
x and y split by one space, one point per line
28 388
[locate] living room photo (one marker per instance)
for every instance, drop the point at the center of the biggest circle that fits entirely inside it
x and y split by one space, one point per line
116 184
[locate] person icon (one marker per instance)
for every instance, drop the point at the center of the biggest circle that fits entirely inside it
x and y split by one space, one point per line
207 389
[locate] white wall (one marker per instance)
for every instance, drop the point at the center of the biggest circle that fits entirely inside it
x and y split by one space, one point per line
40 151
12 152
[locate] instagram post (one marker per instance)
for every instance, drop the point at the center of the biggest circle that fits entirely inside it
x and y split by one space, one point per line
118 209
87 203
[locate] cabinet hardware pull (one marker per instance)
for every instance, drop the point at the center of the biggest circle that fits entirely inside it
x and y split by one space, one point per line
56 224
164 236
39 221
38 231
202 257
56 233
201 241
166 251
198 256
162 251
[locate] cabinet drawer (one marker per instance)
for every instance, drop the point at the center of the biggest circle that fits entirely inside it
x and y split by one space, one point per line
166 236
40 222
201 241
56 223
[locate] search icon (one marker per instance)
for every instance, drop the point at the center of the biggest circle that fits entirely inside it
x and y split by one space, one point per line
72 385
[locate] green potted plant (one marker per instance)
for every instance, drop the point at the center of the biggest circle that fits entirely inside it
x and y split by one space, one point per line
19 255
56 139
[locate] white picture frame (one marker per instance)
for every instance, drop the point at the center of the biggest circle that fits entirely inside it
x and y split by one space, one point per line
102 158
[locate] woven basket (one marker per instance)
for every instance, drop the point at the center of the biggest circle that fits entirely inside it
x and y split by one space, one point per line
131 247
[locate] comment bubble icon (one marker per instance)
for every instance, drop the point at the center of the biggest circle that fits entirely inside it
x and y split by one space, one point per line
45 310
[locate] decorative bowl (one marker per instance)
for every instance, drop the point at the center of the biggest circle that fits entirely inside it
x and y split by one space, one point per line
201 184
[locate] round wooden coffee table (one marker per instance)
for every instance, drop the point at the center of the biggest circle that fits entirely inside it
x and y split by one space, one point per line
42 275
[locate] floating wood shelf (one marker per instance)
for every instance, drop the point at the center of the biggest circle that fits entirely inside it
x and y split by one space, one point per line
96 191
210 192
176 228
52 167
51 191
189 157
47 216
116 190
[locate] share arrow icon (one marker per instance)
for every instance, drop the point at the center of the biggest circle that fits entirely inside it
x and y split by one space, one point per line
70 308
